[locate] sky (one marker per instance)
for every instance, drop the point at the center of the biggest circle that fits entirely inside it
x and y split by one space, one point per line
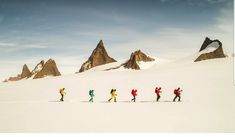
68 30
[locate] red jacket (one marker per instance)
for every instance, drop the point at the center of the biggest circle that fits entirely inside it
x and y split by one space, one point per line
158 90
134 92
177 92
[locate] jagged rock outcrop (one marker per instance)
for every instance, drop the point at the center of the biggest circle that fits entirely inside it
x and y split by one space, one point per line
136 57
25 72
48 69
41 70
216 50
38 67
13 78
98 57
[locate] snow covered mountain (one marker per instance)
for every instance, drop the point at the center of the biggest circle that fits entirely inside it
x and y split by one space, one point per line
38 68
210 49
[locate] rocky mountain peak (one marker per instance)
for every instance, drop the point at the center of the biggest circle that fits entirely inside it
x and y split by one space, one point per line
49 69
216 52
207 42
38 67
41 70
100 44
25 72
136 57
98 57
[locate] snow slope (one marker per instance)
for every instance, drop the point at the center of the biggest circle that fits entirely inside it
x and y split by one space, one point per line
211 47
117 66
207 100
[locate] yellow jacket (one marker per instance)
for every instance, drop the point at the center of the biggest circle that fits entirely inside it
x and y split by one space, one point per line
62 92
114 94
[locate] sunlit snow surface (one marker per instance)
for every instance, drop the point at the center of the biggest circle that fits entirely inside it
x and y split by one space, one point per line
207 99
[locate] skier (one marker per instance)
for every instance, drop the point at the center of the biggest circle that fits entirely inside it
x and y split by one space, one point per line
91 94
134 94
158 91
113 95
177 93
62 93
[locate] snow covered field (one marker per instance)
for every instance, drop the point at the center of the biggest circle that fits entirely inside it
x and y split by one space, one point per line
207 100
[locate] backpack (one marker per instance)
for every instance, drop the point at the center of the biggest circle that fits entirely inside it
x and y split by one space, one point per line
62 91
156 90
175 91
90 92
133 93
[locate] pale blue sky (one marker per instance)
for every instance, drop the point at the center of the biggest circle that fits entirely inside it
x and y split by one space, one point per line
68 30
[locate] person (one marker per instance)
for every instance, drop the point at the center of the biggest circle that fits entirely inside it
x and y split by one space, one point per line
113 95
134 94
177 93
62 93
158 91
91 94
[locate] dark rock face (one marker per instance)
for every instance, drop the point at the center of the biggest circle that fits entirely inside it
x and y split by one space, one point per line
136 57
217 53
49 69
98 57
207 42
25 72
